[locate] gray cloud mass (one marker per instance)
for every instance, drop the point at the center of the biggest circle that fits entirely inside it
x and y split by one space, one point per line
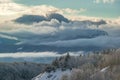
32 33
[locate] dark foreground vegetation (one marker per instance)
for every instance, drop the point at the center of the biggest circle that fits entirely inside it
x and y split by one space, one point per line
20 71
103 65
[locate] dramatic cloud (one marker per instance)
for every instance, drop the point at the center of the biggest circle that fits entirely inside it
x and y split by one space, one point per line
7 7
46 28
56 36
103 42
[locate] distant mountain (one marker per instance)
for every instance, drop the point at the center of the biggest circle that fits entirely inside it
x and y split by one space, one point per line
58 17
30 19
89 22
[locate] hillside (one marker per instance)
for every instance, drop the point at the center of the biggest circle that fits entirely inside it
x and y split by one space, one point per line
54 75
102 66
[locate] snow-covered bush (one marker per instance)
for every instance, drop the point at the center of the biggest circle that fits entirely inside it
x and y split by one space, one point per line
102 66
19 71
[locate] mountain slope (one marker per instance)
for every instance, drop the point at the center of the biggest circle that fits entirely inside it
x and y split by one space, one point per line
57 75
30 19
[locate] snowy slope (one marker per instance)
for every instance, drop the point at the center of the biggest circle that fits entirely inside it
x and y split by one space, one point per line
57 75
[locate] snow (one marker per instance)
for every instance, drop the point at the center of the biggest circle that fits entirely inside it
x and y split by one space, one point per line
101 71
104 69
57 75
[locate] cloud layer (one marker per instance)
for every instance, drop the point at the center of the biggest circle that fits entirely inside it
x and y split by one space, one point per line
58 35
46 28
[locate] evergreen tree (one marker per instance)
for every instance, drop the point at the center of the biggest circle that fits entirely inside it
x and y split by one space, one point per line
55 63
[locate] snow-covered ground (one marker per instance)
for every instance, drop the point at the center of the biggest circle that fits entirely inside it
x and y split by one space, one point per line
57 75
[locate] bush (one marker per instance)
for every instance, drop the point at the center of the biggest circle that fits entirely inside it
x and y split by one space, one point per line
111 59
20 71
88 67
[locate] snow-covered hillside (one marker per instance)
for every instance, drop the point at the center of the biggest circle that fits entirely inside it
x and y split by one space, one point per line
57 75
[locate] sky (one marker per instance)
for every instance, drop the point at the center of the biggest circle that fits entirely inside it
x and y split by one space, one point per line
91 8
96 8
